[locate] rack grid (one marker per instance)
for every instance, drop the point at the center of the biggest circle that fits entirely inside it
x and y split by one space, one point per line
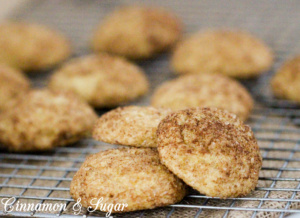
45 177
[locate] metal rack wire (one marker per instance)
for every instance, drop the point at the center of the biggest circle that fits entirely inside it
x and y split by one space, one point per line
46 177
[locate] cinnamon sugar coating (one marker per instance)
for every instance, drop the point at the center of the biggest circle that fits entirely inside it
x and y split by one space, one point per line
132 176
232 53
12 85
210 150
286 82
102 80
45 119
204 90
131 125
29 47
137 32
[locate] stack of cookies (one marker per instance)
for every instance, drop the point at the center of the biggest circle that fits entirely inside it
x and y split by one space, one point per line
207 149
192 136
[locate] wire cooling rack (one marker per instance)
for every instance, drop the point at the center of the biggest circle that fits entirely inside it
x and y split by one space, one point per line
45 177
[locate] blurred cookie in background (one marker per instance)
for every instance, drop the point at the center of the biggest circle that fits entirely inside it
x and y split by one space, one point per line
204 90
286 82
102 80
232 53
131 126
31 47
45 119
137 32
132 176
13 84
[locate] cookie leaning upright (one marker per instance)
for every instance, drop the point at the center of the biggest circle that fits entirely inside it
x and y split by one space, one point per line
204 90
101 80
45 119
31 47
232 53
137 32
132 176
12 85
211 150
286 82
132 126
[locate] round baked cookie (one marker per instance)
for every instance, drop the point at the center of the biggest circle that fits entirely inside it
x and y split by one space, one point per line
211 150
132 176
12 84
102 80
233 53
137 32
204 90
132 125
31 46
286 82
45 119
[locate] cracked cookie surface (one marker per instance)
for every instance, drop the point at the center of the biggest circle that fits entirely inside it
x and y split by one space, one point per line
132 176
210 150
131 125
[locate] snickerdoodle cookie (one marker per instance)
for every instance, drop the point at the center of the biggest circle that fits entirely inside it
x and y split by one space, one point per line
286 82
45 119
233 53
211 150
12 84
132 125
102 80
132 176
137 32
31 47
204 90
